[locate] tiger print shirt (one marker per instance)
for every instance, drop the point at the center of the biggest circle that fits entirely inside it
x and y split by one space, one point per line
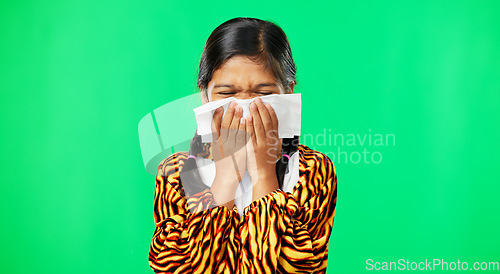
279 233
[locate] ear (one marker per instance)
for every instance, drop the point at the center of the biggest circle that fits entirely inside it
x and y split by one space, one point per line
292 86
204 96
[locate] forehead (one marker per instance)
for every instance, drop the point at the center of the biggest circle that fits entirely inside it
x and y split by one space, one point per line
243 71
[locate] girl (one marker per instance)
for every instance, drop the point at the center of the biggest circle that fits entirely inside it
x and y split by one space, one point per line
284 227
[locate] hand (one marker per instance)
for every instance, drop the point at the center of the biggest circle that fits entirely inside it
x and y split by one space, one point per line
229 153
264 147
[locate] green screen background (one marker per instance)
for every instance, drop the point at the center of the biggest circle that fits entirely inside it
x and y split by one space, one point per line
77 76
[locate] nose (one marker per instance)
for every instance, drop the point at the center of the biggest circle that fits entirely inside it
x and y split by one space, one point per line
246 95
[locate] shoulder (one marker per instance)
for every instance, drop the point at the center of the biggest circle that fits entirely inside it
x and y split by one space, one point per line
170 167
316 169
311 159
317 177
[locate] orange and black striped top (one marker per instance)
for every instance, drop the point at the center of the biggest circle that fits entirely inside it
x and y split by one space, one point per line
279 233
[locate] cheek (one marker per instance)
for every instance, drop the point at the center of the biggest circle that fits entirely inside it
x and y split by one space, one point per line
214 97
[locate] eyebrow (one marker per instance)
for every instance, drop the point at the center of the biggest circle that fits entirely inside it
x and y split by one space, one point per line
257 86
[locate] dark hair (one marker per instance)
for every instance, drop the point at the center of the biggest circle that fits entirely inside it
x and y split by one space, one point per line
262 41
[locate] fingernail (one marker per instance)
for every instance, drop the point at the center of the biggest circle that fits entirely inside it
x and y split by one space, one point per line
233 104
252 104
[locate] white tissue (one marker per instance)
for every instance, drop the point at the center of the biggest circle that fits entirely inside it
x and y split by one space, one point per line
286 106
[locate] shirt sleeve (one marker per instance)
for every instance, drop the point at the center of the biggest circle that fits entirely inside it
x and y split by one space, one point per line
291 231
191 234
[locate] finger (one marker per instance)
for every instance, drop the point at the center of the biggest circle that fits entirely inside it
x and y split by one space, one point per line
227 119
250 141
274 132
241 134
235 123
258 127
264 115
216 121
250 130
274 117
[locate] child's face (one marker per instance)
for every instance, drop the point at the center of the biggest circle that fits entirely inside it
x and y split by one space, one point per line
241 78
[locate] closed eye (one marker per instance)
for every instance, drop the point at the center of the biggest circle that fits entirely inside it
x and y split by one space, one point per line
263 93
226 93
